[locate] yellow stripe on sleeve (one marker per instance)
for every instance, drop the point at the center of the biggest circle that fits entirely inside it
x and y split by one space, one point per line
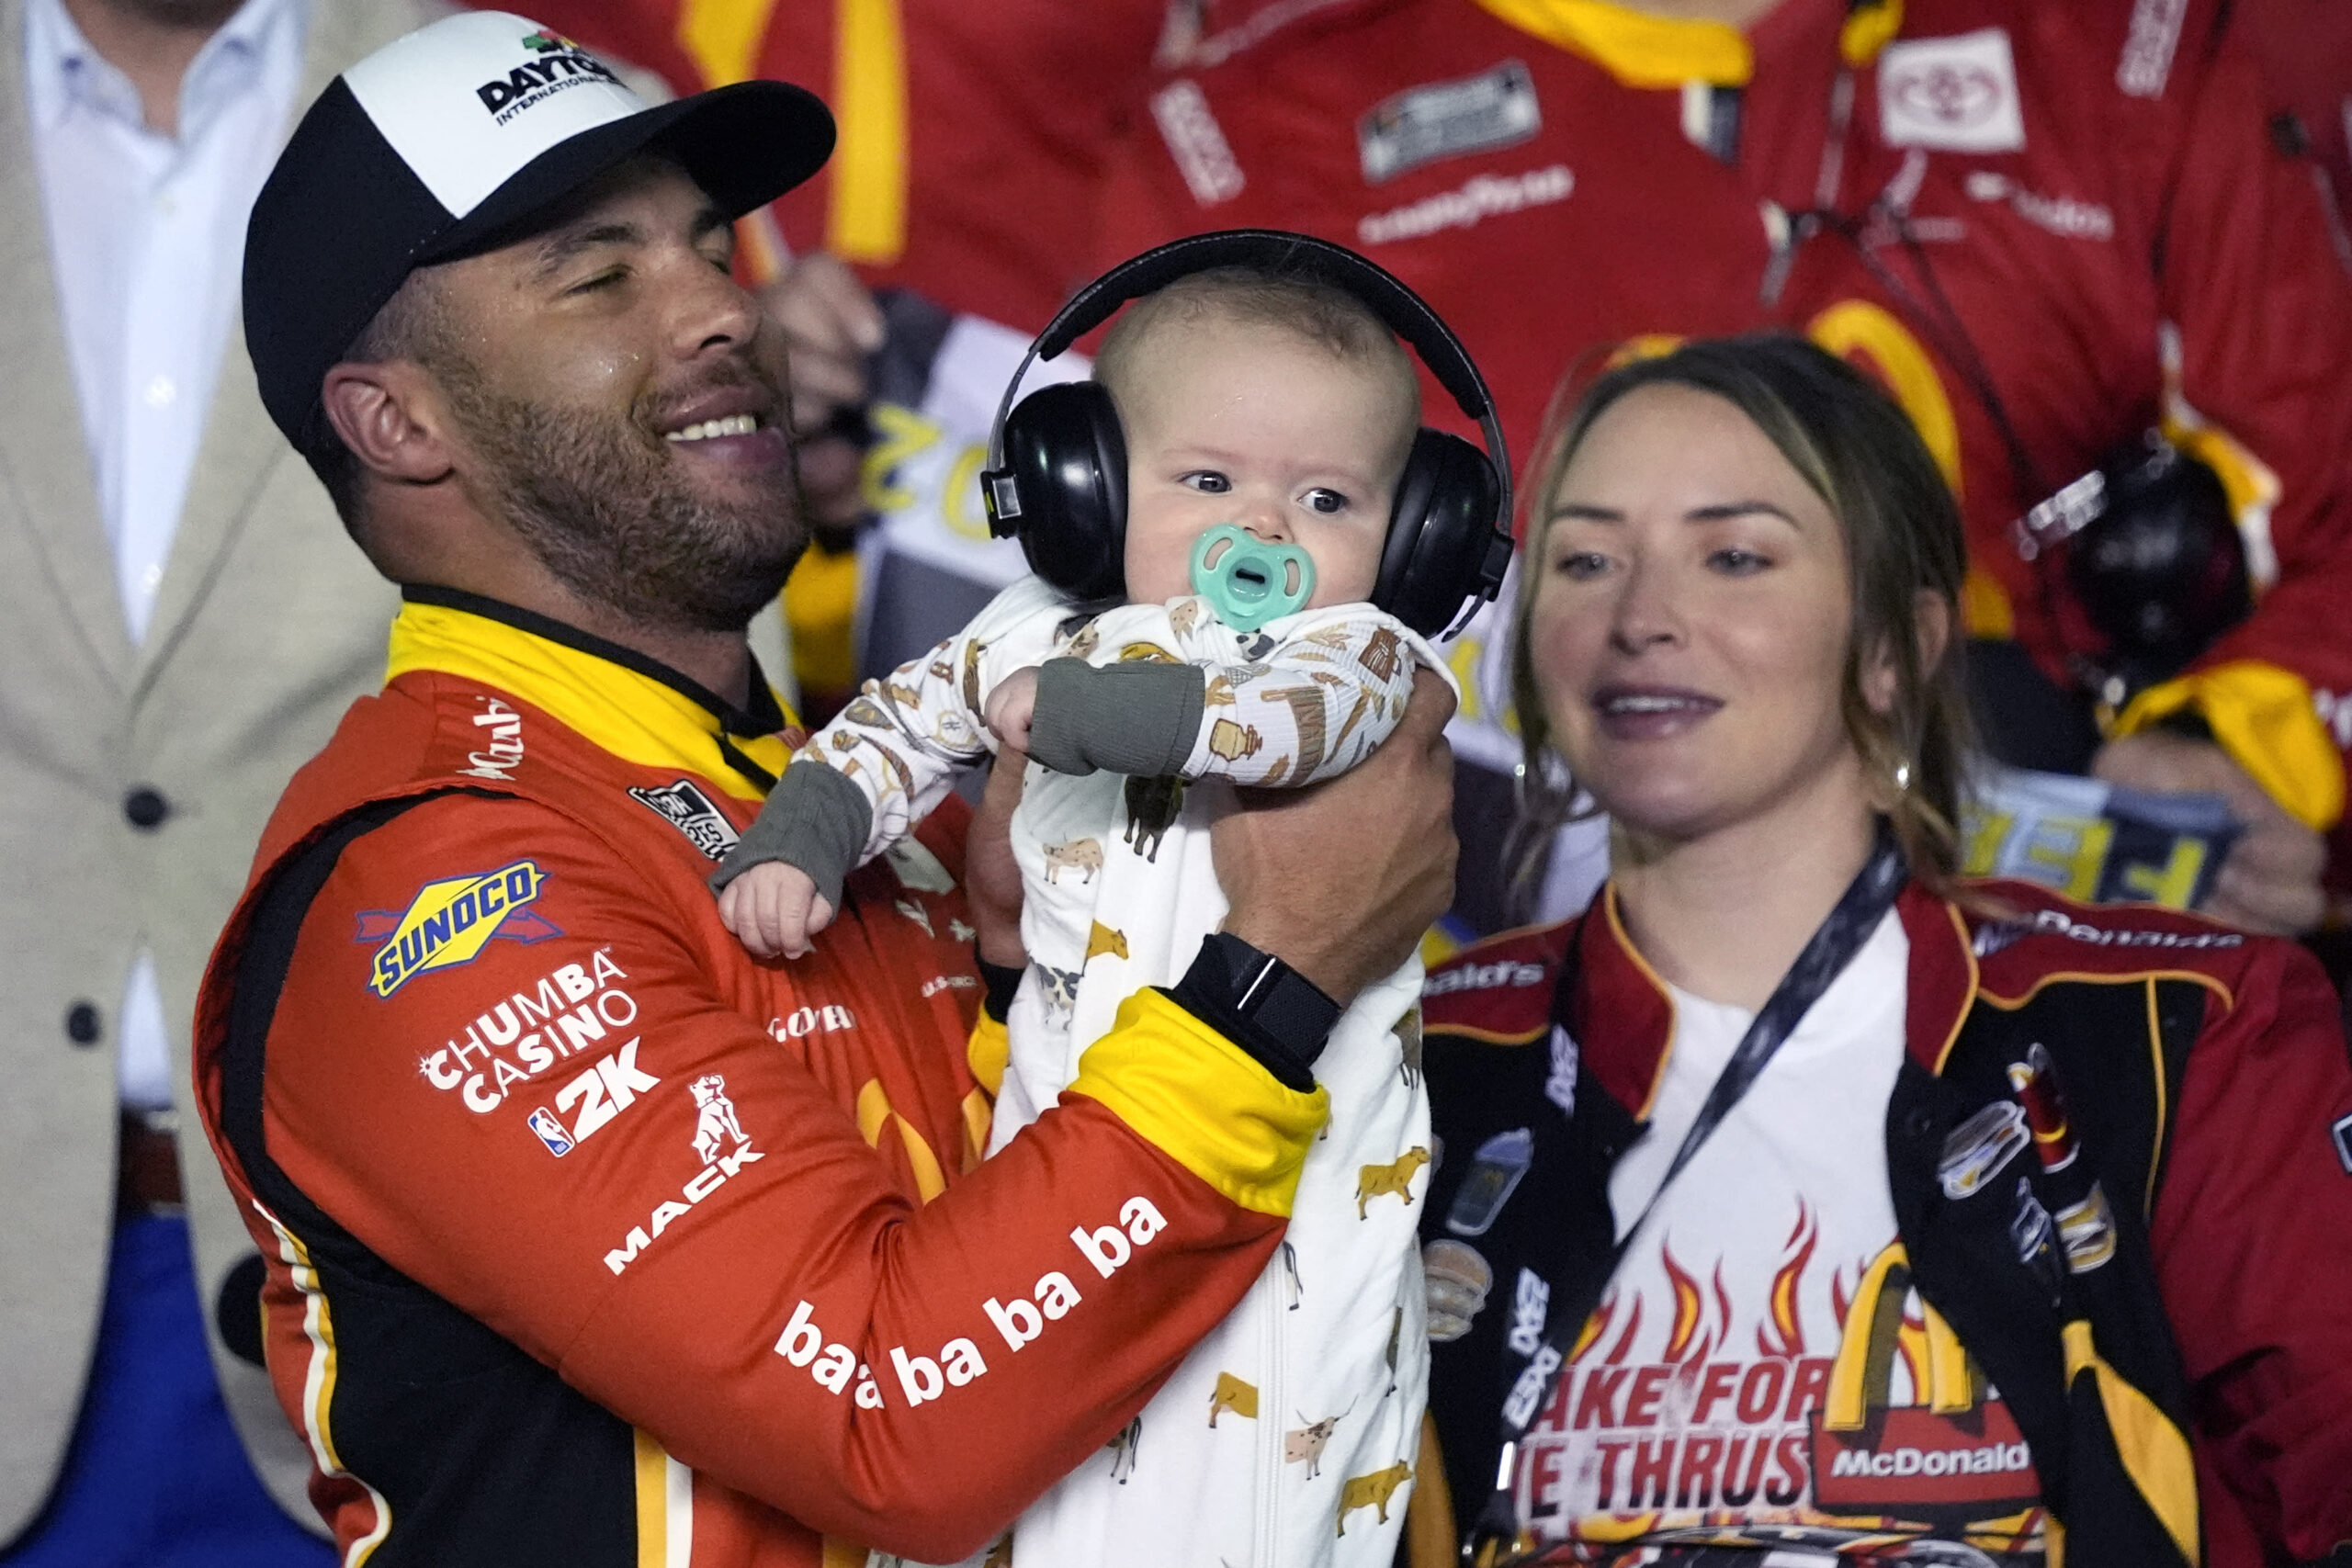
1203 1101
2156 1452
2263 717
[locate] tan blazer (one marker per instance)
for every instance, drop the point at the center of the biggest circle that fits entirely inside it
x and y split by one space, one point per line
269 623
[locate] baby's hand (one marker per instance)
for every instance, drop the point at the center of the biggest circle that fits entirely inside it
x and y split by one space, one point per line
773 909
1011 707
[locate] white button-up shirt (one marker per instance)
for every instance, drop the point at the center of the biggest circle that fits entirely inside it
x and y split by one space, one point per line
146 235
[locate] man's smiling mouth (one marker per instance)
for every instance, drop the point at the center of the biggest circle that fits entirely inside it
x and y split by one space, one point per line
710 429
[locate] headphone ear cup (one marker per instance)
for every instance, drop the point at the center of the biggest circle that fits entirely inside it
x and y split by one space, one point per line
1442 534
1068 457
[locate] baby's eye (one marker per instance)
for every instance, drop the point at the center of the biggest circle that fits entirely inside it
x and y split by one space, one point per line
1208 481
1327 501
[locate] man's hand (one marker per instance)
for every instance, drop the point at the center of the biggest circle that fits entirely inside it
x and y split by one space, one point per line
829 326
2270 880
1339 880
991 876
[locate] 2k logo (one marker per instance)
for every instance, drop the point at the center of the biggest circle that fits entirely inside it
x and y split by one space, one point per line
602 1092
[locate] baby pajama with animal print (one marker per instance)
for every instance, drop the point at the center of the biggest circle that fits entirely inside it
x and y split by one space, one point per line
1284 1436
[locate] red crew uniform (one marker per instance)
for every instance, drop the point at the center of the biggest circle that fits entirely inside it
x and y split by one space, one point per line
2304 49
592 1239
2037 198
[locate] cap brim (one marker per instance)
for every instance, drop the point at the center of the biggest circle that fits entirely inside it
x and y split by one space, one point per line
744 144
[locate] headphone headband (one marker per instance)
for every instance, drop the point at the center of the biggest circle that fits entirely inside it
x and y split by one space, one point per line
1281 254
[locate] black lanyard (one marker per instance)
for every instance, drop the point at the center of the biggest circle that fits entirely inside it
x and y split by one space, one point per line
1494 1539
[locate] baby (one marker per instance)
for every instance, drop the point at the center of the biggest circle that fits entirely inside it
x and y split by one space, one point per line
1267 421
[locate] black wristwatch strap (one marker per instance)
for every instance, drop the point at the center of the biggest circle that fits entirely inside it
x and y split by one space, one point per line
999 981
1261 1004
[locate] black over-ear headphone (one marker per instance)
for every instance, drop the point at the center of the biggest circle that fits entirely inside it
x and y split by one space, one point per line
1057 477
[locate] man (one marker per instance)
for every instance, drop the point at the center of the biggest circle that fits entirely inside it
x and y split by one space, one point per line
535 1296
178 629
2046 229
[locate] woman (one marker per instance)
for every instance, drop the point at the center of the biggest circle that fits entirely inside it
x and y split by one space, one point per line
2031 1232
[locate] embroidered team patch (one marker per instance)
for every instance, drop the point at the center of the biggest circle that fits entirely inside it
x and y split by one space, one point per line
685 807
1953 94
1448 119
451 920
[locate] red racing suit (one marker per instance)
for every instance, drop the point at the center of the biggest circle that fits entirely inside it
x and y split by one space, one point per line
2033 199
591 1239
2198 1385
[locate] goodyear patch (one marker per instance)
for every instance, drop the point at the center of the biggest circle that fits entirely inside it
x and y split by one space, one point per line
451 920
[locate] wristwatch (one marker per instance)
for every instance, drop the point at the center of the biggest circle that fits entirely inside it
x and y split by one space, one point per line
1261 1004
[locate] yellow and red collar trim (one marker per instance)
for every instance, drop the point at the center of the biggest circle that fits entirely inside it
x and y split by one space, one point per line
637 708
1645 50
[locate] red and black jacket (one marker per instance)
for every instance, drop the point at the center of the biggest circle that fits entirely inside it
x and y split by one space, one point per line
2191 1401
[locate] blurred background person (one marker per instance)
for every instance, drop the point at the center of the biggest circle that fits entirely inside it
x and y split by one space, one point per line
1807 1203
2048 231
181 624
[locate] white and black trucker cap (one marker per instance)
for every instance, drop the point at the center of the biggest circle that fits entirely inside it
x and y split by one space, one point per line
448 137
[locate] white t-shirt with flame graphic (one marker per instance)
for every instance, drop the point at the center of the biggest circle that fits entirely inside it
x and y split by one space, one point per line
1706 1402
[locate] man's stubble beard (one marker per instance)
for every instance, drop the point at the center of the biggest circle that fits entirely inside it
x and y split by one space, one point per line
615 521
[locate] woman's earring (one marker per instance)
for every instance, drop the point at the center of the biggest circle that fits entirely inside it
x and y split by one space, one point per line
1902 777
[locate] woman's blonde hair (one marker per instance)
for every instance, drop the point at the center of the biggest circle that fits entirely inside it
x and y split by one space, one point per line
1858 452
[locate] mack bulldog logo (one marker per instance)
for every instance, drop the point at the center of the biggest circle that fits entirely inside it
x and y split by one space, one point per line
715 1118
716 1126
451 920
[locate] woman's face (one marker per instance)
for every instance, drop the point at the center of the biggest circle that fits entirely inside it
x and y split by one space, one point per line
1690 628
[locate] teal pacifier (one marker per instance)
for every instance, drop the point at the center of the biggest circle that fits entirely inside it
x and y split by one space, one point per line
1246 581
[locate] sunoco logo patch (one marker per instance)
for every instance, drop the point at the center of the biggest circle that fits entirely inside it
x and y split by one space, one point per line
450 921
558 63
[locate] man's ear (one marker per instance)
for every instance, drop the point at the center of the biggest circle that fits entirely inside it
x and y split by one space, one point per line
389 417
1931 624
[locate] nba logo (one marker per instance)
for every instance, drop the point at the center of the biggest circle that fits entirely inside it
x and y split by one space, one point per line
550 1132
